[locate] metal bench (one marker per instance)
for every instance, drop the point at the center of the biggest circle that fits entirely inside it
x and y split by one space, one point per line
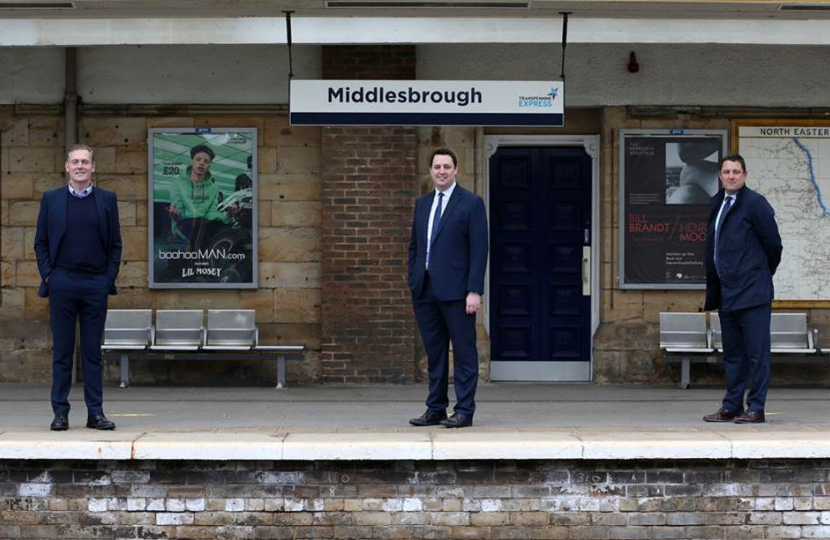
230 330
717 335
791 340
685 338
179 330
230 334
789 335
127 330
281 352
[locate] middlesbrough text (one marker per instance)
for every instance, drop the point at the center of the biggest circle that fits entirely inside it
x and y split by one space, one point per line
379 94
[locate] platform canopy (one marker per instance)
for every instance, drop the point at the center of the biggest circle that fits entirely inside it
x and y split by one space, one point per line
161 22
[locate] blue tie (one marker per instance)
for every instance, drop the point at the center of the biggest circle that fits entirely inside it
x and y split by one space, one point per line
436 220
726 206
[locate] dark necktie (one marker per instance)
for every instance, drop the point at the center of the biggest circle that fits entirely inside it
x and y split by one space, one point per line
726 206
436 220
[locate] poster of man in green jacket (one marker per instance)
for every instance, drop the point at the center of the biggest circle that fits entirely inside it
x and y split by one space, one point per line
202 234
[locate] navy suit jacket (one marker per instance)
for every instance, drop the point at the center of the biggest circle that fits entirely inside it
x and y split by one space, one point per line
51 228
748 255
459 257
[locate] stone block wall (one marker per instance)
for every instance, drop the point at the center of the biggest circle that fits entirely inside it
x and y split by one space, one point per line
626 346
441 499
287 302
335 207
31 162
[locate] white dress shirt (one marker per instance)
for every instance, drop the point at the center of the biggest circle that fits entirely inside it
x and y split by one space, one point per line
734 198
445 200
79 195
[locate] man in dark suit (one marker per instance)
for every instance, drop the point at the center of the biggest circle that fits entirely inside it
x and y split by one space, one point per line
78 249
447 261
743 249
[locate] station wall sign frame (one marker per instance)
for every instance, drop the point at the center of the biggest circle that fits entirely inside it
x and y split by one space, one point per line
427 103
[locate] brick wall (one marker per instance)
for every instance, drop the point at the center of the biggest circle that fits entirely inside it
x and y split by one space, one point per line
369 190
287 301
475 499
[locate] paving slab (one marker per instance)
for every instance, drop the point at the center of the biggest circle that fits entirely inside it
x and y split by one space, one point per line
377 446
44 444
760 444
652 444
209 446
460 444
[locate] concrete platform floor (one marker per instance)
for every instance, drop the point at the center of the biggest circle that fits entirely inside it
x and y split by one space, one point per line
513 421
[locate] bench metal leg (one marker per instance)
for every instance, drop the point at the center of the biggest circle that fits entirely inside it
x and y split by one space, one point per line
125 371
280 371
685 374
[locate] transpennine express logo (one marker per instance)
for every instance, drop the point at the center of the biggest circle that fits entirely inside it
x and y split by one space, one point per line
539 101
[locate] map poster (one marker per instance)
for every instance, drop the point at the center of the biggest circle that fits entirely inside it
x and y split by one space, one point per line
667 178
202 208
789 163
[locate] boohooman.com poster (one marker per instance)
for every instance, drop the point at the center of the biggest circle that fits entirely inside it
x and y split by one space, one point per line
203 208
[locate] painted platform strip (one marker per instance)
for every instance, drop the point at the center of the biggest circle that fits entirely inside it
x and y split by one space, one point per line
417 445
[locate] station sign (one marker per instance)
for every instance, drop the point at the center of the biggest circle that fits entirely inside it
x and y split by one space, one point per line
427 103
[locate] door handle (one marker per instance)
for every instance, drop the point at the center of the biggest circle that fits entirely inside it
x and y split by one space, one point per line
586 270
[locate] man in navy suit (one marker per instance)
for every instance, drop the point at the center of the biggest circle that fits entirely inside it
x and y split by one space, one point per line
743 249
78 249
447 261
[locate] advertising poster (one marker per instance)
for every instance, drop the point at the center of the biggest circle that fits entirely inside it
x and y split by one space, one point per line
202 208
666 180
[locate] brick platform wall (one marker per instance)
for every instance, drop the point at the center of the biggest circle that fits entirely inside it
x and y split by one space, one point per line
368 195
479 499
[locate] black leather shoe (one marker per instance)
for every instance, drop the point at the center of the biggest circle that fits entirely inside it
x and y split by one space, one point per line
750 417
458 420
60 423
721 415
429 418
99 421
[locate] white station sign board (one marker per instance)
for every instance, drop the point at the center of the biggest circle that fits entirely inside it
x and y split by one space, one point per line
427 103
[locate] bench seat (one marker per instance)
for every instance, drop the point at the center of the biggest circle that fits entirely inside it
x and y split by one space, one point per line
182 335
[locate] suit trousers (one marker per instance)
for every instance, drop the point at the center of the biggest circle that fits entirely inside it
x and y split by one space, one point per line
75 296
441 323
746 355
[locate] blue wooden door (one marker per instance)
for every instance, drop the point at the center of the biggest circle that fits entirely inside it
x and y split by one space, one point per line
540 309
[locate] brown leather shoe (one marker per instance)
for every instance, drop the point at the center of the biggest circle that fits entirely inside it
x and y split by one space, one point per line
722 415
750 417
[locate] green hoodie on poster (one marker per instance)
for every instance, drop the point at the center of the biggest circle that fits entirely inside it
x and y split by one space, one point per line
196 200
